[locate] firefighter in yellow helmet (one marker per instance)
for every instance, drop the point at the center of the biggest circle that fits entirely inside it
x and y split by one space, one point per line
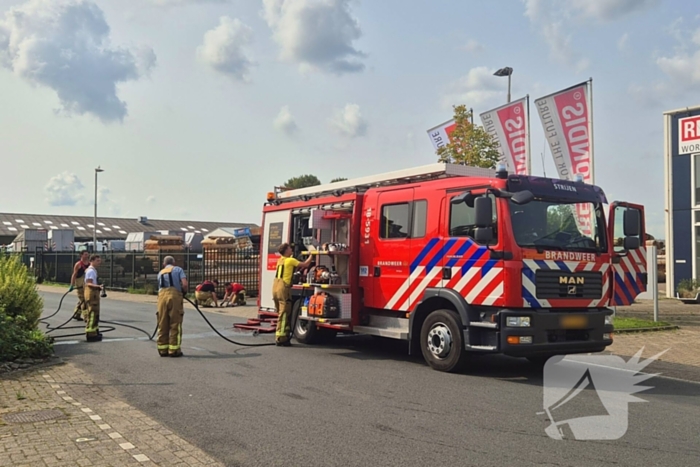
172 287
282 292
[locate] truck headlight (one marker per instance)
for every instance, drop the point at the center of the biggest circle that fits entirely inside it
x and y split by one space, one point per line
608 320
518 321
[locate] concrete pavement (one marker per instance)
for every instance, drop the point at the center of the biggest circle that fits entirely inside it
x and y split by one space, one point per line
363 401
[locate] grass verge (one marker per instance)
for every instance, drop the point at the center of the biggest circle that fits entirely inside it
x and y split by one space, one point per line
636 323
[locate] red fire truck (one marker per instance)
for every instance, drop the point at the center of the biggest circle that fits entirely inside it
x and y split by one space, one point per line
457 259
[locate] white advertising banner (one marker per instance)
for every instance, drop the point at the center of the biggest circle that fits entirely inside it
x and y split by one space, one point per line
689 135
509 125
440 135
567 121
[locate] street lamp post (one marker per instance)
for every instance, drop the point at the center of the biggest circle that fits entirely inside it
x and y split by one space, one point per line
94 221
507 71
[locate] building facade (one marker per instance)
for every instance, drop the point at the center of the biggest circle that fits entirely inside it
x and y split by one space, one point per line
682 195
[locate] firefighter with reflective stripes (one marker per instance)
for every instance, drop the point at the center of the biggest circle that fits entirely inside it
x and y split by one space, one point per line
282 292
92 298
172 287
77 282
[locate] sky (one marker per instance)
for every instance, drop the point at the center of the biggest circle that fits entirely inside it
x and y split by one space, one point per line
195 109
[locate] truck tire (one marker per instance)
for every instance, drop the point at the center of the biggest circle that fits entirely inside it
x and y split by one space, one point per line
304 331
441 341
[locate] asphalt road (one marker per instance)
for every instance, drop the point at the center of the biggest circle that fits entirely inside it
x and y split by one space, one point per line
363 401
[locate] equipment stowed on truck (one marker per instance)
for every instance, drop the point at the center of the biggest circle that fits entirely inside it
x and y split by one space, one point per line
457 259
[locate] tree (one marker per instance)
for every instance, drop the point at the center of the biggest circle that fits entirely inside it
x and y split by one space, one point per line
302 181
339 179
469 144
560 218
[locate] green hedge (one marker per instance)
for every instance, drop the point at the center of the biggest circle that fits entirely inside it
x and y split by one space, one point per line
20 309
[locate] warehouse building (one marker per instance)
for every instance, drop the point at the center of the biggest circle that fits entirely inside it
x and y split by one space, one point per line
682 195
107 228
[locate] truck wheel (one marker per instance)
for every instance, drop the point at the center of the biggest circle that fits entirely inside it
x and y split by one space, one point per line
442 342
304 331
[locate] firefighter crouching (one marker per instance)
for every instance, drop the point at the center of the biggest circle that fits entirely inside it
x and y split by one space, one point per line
205 293
92 297
77 282
235 294
172 286
282 292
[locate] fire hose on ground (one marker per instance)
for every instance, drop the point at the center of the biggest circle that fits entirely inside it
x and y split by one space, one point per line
51 329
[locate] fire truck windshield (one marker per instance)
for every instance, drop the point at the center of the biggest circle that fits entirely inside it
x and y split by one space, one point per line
553 225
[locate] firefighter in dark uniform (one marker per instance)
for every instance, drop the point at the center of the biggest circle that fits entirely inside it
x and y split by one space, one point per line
77 281
172 287
92 297
282 292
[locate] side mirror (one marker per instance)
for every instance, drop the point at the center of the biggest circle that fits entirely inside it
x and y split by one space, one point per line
631 223
631 243
484 212
483 235
522 197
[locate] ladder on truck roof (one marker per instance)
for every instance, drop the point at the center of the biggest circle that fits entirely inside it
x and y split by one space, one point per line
416 174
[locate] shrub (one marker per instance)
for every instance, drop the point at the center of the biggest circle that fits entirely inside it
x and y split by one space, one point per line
16 341
688 288
18 293
20 309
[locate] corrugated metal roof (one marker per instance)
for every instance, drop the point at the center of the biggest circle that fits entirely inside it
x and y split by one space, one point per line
108 228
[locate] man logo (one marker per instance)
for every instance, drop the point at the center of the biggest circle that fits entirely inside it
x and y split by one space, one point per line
572 280
572 379
572 290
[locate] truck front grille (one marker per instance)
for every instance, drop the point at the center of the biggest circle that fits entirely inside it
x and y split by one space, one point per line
561 284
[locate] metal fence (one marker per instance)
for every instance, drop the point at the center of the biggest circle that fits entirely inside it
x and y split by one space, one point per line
139 269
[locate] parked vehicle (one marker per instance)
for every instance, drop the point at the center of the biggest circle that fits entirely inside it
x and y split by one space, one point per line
61 240
456 259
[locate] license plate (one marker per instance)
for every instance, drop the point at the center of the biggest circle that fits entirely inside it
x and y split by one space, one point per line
574 322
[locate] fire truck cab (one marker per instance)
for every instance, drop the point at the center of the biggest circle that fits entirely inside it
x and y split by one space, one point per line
457 259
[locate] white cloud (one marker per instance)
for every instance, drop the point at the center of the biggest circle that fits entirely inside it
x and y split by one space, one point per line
473 46
285 121
151 199
223 48
64 189
681 67
105 203
64 45
555 20
315 34
479 87
607 10
622 42
550 17
184 2
349 122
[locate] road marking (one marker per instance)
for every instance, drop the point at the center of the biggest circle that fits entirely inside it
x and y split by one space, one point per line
141 457
115 435
65 342
127 446
657 375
